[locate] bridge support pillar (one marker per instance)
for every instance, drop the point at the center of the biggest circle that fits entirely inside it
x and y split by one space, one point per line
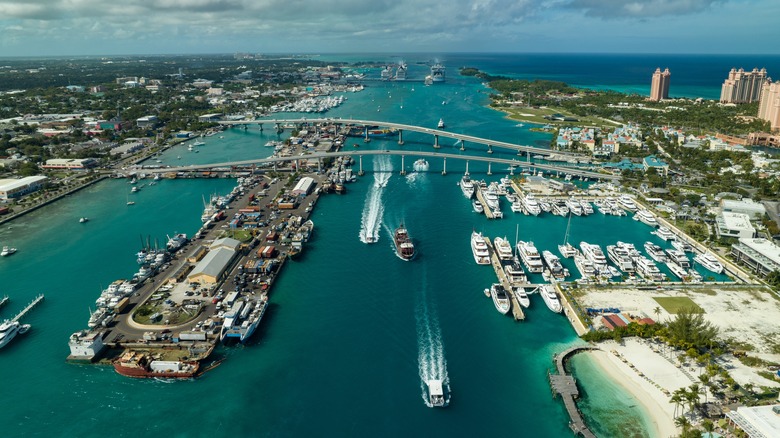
319 165
279 128
490 149
261 127
361 172
462 145
444 171
489 172
403 166
436 141
400 137
366 139
274 166
467 167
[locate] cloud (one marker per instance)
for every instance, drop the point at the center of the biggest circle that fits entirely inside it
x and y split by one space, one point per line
639 8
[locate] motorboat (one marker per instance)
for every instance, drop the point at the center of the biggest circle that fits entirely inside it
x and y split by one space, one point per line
550 298
403 244
480 249
503 248
568 250
7 250
678 257
467 186
531 205
436 393
645 217
709 262
554 265
441 124
522 297
9 329
514 272
83 220
664 233
500 298
421 165
477 206
530 256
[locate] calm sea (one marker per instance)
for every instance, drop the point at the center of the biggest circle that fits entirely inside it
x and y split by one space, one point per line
351 332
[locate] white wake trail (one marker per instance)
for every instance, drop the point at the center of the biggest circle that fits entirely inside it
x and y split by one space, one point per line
373 209
430 349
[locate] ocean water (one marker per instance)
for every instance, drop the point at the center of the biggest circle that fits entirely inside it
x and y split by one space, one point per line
351 332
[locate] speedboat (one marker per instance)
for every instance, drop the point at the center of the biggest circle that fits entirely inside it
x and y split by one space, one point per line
84 219
421 165
710 262
550 298
435 393
500 298
403 243
441 124
7 250
480 249
522 297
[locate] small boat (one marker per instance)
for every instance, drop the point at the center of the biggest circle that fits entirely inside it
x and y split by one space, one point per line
477 206
83 219
436 393
441 124
130 202
500 298
421 165
7 250
522 297
403 244
134 189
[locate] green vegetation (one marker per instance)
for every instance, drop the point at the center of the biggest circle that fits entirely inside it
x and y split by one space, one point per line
675 305
689 330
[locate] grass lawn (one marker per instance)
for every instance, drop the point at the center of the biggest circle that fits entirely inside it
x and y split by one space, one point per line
240 235
674 304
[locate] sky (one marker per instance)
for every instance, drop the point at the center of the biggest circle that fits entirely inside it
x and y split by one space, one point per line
96 27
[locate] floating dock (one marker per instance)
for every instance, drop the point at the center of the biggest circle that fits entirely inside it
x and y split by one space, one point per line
29 307
565 386
517 310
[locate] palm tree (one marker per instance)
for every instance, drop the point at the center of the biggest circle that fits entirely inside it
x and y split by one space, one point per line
705 380
657 312
708 427
683 423
676 399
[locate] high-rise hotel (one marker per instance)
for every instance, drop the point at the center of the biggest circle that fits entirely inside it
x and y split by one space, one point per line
769 105
742 86
659 87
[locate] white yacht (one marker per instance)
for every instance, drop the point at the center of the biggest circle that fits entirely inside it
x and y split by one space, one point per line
522 297
559 208
436 393
594 253
664 233
683 246
9 329
503 248
678 271
441 124
710 262
514 272
421 165
550 298
530 256
655 252
477 206
585 266
678 257
645 217
568 250
554 265
531 205
587 208
620 257
500 298
627 202
574 206
491 197
7 250
480 249
517 207
467 186
648 270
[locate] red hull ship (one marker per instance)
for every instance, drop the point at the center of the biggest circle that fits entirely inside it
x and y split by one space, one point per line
141 365
403 244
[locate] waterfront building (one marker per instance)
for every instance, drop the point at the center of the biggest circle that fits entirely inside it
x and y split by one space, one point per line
761 255
16 188
70 163
742 86
757 421
728 224
651 161
304 186
769 104
225 242
659 86
755 210
212 267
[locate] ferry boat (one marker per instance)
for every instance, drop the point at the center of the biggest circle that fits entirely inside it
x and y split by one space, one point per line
514 272
403 244
709 262
620 257
500 298
467 186
522 297
664 233
645 217
9 329
441 124
678 257
421 165
477 206
242 323
627 203
682 246
142 365
531 205
594 253
655 252
436 393
480 249
530 256
554 265
550 298
7 250
437 73
648 270
503 248
585 266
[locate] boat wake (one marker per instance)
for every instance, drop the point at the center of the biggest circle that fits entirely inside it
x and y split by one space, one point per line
430 354
371 221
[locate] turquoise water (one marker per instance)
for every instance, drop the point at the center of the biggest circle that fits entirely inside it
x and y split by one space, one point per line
351 331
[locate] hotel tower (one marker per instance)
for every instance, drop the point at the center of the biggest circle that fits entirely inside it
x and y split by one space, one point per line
742 86
659 87
769 105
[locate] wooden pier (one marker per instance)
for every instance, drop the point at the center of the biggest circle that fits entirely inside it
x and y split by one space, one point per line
517 310
565 386
29 307
481 200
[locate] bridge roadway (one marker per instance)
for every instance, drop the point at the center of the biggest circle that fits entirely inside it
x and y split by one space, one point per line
402 127
319 155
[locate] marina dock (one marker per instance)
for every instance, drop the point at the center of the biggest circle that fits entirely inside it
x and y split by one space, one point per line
29 307
481 199
517 310
565 386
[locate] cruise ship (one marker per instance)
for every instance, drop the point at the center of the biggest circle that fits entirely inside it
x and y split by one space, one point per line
514 272
500 298
480 249
553 263
437 73
594 253
522 297
648 270
620 257
655 252
467 186
710 262
9 329
550 298
530 256
503 248
646 217
664 233
585 266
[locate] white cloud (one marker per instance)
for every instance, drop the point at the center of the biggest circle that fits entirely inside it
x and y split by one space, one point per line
640 8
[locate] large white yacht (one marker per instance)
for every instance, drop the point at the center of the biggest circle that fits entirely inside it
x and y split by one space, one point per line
620 257
9 329
627 202
678 257
522 297
514 272
503 248
585 266
530 256
645 217
664 233
594 253
554 265
655 252
574 206
710 262
500 298
467 186
550 298
530 204
647 269
480 249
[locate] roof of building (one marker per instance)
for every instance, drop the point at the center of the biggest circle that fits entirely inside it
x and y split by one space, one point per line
225 242
745 204
214 263
763 247
11 184
736 221
757 421
653 161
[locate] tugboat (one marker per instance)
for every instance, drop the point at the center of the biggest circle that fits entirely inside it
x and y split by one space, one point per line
403 244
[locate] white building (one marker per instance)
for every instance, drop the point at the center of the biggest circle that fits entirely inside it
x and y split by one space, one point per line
16 188
728 224
70 163
304 186
757 421
761 255
748 206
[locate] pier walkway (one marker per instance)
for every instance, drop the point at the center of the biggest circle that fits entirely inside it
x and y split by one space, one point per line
517 310
564 385
29 307
481 199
